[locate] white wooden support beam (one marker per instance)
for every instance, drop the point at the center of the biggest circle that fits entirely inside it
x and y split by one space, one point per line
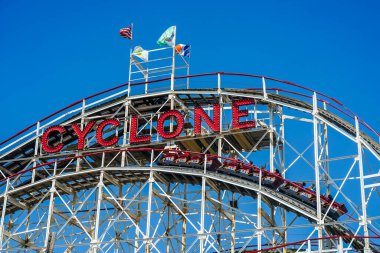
316 171
111 179
64 188
362 187
17 203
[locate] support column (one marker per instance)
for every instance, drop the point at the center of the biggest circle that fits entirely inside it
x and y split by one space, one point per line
201 231
97 220
184 221
282 170
36 149
282 149
326 166
51 206
259 226
146 83
362 190
271 148
219 222
220 136
326 157
4 209
340 245
148 240
171 126
137 229
167 233
125 131
264 88
233 225
316 170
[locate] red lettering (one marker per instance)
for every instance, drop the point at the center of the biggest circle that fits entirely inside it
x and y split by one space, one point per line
200 114
237 114
180 123
99 133
82 134
45 139
133 138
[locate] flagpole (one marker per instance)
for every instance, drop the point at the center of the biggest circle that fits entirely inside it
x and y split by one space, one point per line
130 61
172 83
129 71
188 71
187 67
173 61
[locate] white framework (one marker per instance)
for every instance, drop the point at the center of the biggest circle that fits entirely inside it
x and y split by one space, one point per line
119 200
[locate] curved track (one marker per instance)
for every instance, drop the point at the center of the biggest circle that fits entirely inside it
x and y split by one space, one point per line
32 193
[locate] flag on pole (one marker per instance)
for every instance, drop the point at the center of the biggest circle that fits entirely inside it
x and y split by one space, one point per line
141 53
126 32
183 50
167 37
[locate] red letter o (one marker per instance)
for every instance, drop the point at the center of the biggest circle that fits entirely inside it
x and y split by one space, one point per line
161 120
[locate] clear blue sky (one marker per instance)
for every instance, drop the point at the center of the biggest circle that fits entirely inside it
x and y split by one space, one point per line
55 52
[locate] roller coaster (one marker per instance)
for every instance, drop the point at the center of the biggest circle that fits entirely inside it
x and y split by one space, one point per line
187 164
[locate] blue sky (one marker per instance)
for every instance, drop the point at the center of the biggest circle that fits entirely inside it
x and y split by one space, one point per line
56 52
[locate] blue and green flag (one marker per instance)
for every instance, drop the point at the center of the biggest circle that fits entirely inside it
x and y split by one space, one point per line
167 38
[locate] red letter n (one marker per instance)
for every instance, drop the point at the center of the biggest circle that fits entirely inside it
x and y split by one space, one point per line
200 114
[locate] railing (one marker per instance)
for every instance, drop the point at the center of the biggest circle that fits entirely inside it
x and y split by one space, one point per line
262 85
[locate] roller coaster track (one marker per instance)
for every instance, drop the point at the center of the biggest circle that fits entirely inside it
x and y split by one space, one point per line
32 193
307 93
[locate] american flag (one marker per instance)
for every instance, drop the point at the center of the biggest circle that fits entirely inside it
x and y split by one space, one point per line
126 32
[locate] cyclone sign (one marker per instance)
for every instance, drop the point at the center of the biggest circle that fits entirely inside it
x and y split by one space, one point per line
82 131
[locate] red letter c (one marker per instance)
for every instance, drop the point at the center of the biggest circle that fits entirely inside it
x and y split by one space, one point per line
45 139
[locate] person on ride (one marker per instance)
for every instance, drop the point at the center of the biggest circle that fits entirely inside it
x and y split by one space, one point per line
301 184
250 167
311 187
